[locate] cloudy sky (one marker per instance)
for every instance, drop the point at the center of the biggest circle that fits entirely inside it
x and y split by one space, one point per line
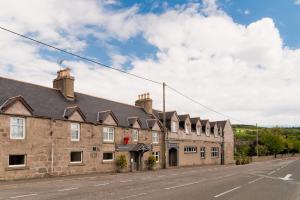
241 58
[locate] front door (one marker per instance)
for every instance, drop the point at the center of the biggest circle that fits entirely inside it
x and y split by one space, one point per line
173 157
135 161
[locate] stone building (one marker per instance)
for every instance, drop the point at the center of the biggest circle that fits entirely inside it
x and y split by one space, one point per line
57 131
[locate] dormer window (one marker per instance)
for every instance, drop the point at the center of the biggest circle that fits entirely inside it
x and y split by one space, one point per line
173 127
186 127
198 130
207 132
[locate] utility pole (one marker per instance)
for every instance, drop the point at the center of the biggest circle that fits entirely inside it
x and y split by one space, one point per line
257 140
164 123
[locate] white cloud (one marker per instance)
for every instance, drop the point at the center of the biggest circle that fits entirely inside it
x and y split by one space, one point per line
247 12
244 71
297 2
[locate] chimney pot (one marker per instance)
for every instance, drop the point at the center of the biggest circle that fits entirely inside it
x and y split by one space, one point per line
145 102
65 83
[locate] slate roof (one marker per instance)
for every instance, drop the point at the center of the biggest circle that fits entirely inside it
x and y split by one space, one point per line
183 117
204 121
194 121
221 124
48 102
70 110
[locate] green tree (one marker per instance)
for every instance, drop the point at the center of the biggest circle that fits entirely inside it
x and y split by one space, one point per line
273 141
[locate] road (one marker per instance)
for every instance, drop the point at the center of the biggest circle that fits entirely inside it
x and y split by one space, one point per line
274 180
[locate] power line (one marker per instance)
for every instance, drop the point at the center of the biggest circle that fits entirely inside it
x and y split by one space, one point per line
116 69
206 107
79 56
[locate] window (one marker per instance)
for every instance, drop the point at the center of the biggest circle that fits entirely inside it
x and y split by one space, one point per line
190 149
135 135
198 130
76 157
17 160
202 152
156 155
207 131
75 132
17 128
108 156
155 138
108 134
173 127
215 152
186 126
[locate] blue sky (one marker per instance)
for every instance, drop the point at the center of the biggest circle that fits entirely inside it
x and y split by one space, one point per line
240 57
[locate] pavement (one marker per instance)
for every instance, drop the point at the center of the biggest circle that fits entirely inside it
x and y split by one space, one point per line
268 180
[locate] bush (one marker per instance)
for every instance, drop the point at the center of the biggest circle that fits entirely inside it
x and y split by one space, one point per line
151 162
121 162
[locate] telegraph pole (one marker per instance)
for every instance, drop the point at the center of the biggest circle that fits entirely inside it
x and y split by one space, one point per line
164 122
257 140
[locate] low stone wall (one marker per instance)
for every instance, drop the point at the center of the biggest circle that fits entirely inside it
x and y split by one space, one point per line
279 156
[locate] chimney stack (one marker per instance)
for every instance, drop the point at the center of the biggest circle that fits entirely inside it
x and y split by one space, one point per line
65 83
145 102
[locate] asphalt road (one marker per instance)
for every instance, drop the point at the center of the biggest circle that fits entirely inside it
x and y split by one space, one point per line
271 180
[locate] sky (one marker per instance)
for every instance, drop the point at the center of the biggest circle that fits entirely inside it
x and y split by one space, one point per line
239 57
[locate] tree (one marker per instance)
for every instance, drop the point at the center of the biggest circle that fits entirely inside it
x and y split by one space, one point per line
273 141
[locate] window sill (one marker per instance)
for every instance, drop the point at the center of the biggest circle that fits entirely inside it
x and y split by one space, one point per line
107 161
10 168
76 164
108 142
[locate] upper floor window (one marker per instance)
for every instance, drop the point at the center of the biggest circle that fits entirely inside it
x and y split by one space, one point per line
173 127
207 131
108 134
202 152
186 127
198 130
75 132
135 135
155 138
17 128
215 152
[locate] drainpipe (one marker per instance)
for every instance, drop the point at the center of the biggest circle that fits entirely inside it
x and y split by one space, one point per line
52 146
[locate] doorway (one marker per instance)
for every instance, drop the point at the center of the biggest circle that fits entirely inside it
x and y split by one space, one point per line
173 160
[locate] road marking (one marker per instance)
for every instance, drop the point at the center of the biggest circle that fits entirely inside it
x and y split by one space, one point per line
135 195
173 174
161 176
221 194
67 189
287 177
255 180
21 196
183 185
125 181
101 184
272 172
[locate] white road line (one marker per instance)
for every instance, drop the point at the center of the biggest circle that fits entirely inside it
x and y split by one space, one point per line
101 184
272 172
173 174
161 176
125 181
21 196
135 195
255 180
183 185
67 189
221 194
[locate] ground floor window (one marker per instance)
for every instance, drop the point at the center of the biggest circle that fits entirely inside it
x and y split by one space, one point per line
108 156
17 160
190 149
215 152
76 157
202 152
156 155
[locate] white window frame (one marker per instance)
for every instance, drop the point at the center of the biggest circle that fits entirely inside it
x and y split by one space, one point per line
215 152
173 127
81 157
135 135
77 128
155 138
110 130
23 128
22 165
190 149
202 152
207 131
186 128
156 154
198 130
108 160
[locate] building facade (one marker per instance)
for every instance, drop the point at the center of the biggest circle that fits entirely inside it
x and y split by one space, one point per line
57 131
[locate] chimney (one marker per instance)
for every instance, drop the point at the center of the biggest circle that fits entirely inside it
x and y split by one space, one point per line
65 83
145 102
